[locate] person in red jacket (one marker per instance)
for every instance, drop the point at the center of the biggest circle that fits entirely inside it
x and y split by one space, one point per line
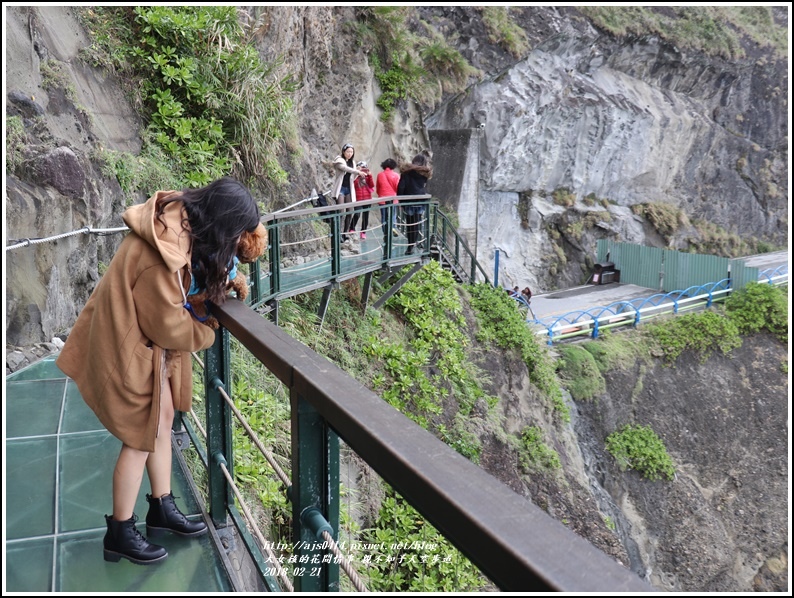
386 186
364 187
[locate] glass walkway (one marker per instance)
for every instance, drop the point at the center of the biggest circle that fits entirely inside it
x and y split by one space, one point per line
58 468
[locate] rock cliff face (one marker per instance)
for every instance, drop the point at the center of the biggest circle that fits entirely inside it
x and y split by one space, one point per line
619 124
57 188
720 525
557 146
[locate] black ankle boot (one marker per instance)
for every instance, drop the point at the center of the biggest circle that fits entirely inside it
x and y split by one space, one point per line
124 540
165 516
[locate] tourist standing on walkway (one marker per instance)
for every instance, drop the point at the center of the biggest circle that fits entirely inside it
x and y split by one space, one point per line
129 350
364 186
386 186
413 181
344 190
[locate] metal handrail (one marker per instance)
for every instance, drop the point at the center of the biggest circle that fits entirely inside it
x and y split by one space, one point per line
268 276
515 543
591 321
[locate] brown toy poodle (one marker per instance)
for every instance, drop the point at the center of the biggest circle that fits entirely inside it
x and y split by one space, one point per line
250 247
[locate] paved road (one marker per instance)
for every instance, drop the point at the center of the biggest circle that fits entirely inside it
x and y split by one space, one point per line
767 260
557 303
585 297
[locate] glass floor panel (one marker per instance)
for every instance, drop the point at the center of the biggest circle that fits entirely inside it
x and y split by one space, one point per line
59 464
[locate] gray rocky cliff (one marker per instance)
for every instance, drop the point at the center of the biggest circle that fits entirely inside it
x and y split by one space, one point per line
621 124
57 187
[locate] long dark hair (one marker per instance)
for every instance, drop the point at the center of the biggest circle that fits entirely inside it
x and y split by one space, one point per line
350 161
217 215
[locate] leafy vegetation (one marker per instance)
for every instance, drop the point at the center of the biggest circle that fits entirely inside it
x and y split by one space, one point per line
714 240
581 376
407 64
53 77
715 30
708 238
501 323
759 306
563 197
665 218
536 454
432 309
639 448
445 64
503 30
613 351
426 321
417 558
15 142
701 332
151 169
212 106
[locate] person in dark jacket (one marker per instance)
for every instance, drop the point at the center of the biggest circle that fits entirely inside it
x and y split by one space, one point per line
413 181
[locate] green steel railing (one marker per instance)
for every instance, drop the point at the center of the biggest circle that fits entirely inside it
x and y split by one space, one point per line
513 542
306 248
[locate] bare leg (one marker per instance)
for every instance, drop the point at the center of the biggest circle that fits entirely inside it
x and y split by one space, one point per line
127 478
158 465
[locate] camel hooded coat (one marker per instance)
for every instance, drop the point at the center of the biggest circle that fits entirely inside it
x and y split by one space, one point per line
115 352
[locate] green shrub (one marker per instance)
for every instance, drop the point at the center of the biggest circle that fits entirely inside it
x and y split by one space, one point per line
700 332
416 557
563 197
759 306
15 142
210 103
139 174
536 454
613 351
665 218
715 240
580 373
435 365
502 324
639 448
503 30
409 63
444 63
715 30
398 82
462 440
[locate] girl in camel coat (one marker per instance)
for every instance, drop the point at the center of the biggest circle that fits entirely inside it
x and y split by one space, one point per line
133 324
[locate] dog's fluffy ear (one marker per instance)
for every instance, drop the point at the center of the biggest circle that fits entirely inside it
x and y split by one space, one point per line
252 244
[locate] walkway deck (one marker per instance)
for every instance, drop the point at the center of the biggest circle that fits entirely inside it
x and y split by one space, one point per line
57 479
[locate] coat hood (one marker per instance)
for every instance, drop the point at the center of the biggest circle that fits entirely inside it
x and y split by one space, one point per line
172 241
425 171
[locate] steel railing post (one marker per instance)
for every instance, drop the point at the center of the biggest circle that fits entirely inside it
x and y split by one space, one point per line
219 426
315 486
275 258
